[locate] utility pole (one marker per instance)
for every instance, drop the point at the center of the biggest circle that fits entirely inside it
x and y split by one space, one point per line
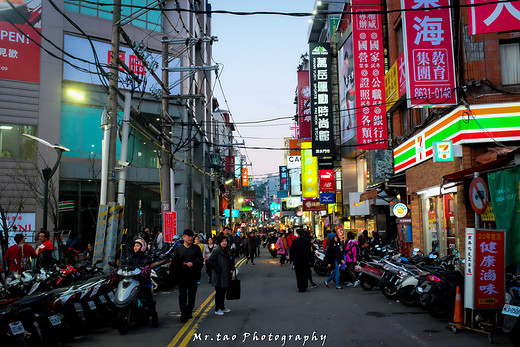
113 104
166 129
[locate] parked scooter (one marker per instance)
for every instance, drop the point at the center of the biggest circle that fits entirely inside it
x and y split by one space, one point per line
511 310
439 290
319 263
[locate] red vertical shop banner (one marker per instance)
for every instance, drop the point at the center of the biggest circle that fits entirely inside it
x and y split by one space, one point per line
428 41
327 180
494 17
401 73
489 265
304 104
170 226
369 68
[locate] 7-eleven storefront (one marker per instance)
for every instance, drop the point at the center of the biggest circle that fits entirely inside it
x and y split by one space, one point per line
440 210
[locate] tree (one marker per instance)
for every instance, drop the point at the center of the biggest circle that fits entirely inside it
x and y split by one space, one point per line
304 62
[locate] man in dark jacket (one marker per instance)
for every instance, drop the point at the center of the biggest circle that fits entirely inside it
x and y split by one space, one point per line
301 256
187 261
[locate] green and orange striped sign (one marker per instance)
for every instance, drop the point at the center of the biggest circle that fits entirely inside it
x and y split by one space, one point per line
476 124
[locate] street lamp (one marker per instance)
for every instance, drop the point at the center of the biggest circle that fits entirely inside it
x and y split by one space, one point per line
47 173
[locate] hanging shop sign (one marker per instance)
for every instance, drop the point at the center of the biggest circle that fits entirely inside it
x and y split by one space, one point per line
357 206
400 210
282 194
170 226
284 178
401 72
235 213
296 187
428 47
20 39
245 178
484 285
294 161
442 151
304 104
309 172
328 198
478 195
230 164
321 100
313 205
488 123
494 17
367 33
293 201
327 181
391 86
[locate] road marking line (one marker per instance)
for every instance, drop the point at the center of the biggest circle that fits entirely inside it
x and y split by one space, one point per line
195 314
187 324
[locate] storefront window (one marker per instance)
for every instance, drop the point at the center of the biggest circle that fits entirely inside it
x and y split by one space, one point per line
439 223
15 146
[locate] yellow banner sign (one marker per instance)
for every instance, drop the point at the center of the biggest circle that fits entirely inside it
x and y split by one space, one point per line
309 172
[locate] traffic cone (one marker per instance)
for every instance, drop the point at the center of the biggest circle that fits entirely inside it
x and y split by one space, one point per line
457 316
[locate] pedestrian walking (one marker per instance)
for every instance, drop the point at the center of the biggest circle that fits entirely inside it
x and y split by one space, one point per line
251 247
258 241
222 267
196 242
350 259
208 248
333 257
282 248
187 261
301 256
44 250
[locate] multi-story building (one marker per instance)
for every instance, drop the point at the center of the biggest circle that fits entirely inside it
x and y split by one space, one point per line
59 50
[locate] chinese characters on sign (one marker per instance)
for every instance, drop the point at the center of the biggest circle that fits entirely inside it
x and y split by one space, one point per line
170 226
19 41
429 53
370 77
485 264
492 18
321 100
304 104
309 172
284 178
245 178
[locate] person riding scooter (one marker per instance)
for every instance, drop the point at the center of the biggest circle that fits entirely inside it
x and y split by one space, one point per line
139 259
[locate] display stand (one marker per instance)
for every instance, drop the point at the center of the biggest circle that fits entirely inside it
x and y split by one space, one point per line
469 323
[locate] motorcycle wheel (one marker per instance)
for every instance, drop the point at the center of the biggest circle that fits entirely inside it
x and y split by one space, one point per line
321 271
407 296
390 293
436 309
514 336
123 320
366 286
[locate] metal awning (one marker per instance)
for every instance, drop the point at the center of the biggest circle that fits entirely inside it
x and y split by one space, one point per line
468 173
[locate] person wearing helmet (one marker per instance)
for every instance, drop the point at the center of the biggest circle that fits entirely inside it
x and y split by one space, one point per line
139 259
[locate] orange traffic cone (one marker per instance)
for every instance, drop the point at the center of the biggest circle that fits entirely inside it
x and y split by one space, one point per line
457 316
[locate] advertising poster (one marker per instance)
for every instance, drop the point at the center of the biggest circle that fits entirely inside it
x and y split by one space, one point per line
309 172
304 104
347 91
20 28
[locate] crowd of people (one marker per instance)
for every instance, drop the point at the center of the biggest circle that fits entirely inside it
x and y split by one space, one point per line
191 252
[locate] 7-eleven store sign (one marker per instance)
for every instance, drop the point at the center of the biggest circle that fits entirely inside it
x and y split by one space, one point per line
483 123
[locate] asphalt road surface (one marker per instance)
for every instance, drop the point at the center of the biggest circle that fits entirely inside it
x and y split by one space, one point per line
271 312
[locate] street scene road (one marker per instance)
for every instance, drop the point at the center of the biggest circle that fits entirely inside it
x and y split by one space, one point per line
271 312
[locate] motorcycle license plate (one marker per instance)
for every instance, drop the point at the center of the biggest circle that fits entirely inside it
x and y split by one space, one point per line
55 320
78 307
511 310
17 328
92 305
102 299
111 296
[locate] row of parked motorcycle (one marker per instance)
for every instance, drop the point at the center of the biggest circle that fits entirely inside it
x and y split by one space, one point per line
54 305
424 280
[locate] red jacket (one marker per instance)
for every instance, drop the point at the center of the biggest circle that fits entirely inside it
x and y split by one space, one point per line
290 238
13 256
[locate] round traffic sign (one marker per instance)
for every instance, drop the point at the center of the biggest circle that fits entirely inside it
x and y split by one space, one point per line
478 195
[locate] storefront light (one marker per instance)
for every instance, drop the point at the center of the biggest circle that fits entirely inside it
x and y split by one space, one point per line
76 94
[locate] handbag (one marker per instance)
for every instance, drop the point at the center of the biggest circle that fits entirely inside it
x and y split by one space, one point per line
233 290
25 264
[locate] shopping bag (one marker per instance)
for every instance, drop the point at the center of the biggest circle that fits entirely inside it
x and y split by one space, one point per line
233 290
